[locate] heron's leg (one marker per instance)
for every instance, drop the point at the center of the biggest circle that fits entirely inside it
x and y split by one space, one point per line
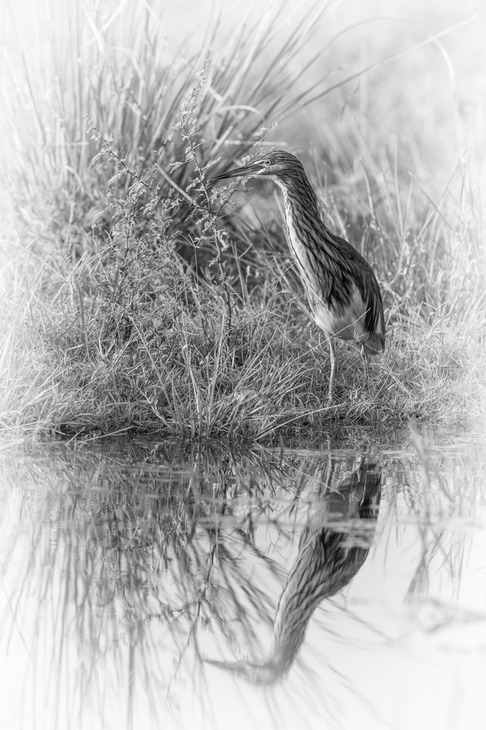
332 355
366 366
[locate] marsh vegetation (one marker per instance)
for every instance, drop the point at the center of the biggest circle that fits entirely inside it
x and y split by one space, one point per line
136 296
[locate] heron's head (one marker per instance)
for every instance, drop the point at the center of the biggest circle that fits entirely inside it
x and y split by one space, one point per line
274 164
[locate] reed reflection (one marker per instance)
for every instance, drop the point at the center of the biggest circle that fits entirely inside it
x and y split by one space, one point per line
129 557
126 567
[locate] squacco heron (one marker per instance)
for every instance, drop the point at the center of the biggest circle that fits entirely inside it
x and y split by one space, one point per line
341 288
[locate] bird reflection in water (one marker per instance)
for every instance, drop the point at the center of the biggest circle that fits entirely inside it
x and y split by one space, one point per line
332 549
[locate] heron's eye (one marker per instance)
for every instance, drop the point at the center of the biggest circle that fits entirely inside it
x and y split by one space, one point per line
267 162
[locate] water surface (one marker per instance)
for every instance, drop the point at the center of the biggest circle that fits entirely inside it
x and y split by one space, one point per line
152 585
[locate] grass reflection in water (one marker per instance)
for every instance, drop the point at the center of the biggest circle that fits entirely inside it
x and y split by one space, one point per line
131 572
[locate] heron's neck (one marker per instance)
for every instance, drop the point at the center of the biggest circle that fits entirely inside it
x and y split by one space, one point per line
300 200
307 235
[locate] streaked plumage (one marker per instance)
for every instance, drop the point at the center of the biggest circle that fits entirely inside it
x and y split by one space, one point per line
329 557
341 288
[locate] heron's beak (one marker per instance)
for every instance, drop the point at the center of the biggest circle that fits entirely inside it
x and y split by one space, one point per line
244 171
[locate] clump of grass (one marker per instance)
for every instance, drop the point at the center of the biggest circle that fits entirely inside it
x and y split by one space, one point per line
137 308
151 311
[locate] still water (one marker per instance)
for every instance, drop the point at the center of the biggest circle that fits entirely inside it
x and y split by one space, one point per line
160 585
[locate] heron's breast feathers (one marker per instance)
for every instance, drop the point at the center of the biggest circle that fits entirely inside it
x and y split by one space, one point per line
352 320
341 287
